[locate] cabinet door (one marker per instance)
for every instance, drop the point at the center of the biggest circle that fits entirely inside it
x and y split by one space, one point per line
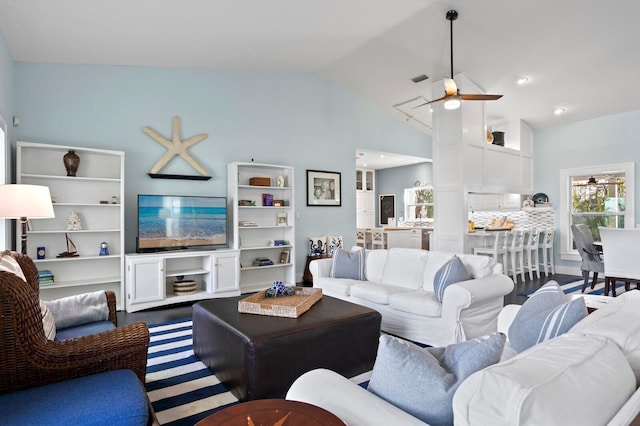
145 280
359 180
226 273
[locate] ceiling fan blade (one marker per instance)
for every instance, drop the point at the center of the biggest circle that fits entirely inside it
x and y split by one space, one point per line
478 97
450 87
430 102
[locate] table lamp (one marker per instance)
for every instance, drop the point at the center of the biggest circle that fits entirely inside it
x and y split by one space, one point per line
18 201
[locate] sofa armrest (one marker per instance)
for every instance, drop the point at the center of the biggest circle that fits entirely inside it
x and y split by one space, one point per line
320 268
461 295
351 403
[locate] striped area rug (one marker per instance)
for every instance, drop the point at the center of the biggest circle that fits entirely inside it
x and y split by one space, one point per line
182 389
575 287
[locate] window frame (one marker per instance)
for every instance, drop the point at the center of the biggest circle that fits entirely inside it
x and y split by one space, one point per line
567 252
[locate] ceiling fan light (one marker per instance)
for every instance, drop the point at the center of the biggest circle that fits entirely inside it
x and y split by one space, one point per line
450 87
453 103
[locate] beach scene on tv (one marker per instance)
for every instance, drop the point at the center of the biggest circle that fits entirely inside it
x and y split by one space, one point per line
166 222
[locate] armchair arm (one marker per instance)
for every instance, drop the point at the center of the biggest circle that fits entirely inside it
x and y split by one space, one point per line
118 348
320 268
466 293
593 256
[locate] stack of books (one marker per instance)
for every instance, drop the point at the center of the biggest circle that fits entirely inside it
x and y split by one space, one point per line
262 261
45 277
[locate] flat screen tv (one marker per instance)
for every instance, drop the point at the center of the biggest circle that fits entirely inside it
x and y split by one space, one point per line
173 222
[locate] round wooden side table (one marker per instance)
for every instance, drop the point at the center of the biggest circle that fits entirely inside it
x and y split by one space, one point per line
307 277
270 412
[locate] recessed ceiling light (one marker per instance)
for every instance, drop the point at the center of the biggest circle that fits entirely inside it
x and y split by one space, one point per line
522 80
559 111
381 155
364 165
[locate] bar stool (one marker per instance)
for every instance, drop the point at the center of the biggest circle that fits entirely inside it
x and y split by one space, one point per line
531 249
498 251
377 238
516 251
361 237
546 246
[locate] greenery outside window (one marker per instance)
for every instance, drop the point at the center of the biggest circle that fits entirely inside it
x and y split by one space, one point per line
418 204
596 196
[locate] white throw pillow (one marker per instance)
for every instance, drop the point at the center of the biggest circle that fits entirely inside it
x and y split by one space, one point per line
404 268
9 264
478 266
48 323
374 264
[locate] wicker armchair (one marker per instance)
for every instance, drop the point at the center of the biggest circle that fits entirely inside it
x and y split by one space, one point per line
28 359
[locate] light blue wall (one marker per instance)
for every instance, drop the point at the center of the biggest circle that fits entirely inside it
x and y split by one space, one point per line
293 119
601 141
396 179
6 82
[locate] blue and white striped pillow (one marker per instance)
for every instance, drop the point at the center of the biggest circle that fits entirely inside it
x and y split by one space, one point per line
452 272
548 313
348 264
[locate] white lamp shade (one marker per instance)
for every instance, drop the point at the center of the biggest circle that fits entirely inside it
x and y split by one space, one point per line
30 201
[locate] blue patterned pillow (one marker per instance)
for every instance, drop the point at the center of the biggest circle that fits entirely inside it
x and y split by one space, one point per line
348 264
548 313
452 272
440 372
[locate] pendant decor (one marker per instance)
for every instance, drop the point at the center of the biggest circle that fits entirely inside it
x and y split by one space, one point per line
176 146
71 162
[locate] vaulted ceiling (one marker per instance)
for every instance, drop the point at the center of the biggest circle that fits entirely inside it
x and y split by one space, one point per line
580 55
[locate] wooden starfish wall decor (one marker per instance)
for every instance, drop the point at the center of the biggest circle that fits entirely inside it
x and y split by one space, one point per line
176 146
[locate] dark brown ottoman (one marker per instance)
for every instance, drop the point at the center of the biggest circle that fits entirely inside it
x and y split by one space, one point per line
258 356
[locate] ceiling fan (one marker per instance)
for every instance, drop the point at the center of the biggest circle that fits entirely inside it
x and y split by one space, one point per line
452 96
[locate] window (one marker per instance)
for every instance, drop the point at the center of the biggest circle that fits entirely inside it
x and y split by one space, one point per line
596 196
418 204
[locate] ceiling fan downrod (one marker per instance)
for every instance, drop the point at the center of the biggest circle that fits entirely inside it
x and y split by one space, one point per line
452 15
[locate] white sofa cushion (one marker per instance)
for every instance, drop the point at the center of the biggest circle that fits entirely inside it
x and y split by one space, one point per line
435 261
375 292
419 302
570 380
404 267
478 266
619 321
337 286
374 264
9 264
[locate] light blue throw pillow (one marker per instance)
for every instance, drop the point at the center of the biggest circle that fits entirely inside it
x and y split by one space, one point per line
348 264
422 381
452 272
548 313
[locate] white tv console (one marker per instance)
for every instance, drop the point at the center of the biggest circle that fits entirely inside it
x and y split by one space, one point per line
150 276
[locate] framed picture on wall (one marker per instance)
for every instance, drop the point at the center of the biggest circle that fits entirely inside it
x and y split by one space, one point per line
387 209
323 188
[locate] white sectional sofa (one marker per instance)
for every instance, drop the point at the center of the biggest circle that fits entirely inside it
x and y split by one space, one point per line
399 284
588 376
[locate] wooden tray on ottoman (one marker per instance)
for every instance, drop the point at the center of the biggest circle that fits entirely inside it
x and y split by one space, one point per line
283 306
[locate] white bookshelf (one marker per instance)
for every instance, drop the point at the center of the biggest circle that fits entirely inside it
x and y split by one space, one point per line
255 241
100 177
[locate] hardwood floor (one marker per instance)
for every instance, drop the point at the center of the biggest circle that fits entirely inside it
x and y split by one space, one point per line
175 312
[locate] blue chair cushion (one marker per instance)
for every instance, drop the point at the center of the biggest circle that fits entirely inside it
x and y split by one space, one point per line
111 398
83 330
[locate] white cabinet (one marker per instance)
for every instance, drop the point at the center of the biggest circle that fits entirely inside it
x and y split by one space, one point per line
96 194
407 238
488 202
263 232
365 209
365 180
150 277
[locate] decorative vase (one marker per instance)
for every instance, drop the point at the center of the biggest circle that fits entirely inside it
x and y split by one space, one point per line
71 162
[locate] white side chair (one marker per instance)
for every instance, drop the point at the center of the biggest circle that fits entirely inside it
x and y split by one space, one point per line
620 247
516 253
532 262
546 247
498 250
378 238
361 237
